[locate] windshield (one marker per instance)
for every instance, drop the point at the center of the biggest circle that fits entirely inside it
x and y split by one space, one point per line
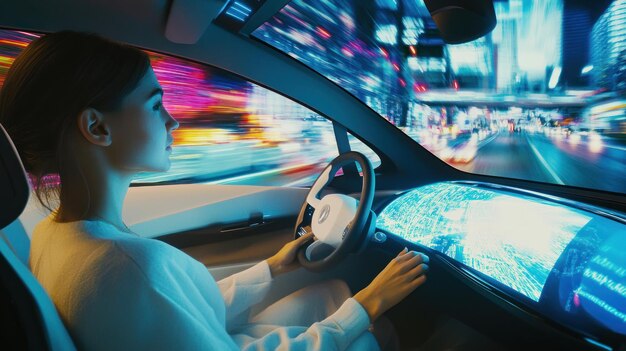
541 97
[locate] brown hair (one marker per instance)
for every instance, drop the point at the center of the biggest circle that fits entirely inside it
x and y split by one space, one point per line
50 83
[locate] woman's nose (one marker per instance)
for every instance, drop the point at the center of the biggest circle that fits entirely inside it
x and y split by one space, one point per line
172 124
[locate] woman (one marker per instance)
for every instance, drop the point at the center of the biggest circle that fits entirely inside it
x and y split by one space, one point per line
90 110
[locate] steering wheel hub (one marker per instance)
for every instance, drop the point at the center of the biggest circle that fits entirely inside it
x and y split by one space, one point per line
336 212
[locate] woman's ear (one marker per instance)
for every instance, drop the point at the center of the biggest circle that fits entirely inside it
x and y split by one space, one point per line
92 126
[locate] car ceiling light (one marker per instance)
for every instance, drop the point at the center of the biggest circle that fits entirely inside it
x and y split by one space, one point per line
236 13
239 11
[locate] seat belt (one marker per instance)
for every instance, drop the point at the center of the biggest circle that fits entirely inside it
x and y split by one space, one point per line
6 240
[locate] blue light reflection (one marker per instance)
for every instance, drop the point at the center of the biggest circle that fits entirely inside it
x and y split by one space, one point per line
515 240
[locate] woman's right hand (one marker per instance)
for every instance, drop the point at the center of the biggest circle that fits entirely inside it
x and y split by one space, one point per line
397 280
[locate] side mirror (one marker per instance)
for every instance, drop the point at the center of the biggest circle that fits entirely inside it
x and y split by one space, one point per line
461 21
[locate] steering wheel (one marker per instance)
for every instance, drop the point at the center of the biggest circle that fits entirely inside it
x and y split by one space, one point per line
340 222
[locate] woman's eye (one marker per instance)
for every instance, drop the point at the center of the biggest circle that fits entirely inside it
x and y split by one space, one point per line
157 106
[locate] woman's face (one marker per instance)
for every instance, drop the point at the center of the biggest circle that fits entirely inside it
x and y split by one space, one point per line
141 130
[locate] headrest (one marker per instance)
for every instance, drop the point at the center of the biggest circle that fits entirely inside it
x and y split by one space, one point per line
14 189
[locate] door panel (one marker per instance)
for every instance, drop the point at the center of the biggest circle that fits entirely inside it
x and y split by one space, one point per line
216 248
154 211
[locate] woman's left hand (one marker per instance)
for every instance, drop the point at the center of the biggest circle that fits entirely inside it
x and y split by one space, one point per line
285 260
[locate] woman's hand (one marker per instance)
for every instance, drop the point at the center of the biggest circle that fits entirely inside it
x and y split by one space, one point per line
285 260
401 276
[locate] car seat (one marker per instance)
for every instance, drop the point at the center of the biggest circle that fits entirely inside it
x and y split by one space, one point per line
29 320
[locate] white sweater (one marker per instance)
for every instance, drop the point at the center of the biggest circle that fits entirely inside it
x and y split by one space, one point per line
115 291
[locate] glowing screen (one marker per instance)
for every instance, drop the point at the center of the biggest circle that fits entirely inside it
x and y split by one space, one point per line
590 277
566 259
602 292
511 239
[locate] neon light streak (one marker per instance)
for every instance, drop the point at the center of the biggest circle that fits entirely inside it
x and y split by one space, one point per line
554 78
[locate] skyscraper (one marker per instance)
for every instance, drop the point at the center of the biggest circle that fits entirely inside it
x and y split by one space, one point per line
608 40
505 44
527 41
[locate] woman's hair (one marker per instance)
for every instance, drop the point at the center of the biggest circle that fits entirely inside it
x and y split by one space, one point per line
50 83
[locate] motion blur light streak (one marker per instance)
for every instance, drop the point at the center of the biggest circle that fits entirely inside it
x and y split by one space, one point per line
517 75
595 143
231 130
187 91
586 69
554 78
11 44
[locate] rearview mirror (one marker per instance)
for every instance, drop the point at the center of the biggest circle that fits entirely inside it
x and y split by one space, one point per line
461 21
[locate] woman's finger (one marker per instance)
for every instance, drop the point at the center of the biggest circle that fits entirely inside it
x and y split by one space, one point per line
405 250
418 281
407 256
304 237
425 257
417 271
411 262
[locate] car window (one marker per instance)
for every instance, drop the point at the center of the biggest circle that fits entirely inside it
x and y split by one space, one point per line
358 145
231 131
542 97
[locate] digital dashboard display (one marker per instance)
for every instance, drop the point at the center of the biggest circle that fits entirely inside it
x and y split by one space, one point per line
511 239
566 259
590 277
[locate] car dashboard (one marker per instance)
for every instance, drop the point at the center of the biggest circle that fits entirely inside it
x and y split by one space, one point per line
556 259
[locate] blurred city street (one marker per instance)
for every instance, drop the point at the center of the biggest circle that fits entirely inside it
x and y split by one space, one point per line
542 97
585 161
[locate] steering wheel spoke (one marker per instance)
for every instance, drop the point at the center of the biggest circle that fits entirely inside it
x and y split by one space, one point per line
317 187
339 222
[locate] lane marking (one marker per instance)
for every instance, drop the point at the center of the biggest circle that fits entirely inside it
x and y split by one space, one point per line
613 147
544 163
485 142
